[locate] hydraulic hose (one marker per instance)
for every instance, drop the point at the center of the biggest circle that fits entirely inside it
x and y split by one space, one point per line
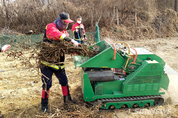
135 55
114 56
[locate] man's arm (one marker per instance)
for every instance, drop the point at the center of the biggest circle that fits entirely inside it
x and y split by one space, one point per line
53 33
83 31
73 28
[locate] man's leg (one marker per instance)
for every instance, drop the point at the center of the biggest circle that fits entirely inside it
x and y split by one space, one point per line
61 75
47 83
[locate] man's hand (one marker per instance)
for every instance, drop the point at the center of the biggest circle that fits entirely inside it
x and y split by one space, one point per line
76 30
75 43
6 47
81 26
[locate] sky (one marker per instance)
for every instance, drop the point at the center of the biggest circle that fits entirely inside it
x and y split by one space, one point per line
9 0
15 0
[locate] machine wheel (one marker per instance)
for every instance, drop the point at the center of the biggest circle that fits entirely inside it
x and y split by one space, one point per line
146 105
135 105
124 106
158 101
112 107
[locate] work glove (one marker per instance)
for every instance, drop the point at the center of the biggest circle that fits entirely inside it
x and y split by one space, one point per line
81 26
85 39
6 47
75 43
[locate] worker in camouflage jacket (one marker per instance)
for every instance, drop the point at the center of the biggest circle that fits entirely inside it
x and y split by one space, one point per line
56 31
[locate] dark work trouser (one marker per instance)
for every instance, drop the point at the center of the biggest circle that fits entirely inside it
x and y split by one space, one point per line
46 77
47 73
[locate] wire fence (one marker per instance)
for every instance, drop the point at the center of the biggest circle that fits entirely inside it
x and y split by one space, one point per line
16 41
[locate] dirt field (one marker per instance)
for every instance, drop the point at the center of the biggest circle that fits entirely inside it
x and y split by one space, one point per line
20 89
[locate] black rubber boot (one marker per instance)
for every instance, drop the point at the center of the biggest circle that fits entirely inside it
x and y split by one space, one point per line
44 101
64 98
44 105
69 97
1 115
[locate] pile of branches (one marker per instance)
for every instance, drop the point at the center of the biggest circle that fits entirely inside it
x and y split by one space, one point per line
50 52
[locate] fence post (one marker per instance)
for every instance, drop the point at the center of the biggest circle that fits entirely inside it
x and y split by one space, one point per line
97 33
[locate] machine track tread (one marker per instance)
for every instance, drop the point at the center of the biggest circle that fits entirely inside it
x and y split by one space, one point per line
158 99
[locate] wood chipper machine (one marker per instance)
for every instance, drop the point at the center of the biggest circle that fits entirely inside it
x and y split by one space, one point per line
120 76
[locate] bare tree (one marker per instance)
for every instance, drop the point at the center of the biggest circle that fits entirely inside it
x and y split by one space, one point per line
175 5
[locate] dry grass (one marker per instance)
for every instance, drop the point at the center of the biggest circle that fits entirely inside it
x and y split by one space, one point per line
21 92
138 19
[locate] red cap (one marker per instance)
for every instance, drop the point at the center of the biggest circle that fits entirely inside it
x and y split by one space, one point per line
65 17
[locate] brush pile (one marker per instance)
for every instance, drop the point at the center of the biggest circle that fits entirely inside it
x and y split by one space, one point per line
49 52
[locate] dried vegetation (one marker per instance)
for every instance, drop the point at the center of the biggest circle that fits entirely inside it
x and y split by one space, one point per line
118 19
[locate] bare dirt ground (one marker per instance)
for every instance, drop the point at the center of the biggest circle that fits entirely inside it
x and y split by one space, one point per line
20 89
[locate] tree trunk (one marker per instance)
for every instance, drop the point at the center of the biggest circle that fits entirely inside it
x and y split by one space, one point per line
175 5
6 10
117 17
113 16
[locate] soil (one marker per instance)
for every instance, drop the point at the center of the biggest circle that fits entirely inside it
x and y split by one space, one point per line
20 89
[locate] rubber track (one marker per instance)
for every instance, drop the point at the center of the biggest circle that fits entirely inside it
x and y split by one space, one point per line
158 99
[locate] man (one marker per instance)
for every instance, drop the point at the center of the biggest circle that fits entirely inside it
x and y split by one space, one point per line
56 31
79 30
5 48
